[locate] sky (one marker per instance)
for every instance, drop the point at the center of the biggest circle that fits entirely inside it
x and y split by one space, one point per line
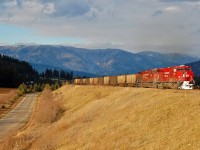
132 25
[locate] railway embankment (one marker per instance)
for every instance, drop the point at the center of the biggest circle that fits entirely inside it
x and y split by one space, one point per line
104 117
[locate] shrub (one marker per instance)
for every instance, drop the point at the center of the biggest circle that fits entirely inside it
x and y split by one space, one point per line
22 89
38 87
55 86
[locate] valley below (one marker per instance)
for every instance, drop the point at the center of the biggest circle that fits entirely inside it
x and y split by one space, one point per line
102 117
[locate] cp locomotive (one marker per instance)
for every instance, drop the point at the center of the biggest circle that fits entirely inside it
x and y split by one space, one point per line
177 77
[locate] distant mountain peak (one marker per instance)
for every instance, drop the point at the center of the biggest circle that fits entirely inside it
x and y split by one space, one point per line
97 61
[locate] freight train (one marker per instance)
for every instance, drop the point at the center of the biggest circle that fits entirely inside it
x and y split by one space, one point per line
177 77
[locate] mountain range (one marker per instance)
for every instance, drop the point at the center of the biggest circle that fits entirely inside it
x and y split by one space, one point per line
94 62
195 67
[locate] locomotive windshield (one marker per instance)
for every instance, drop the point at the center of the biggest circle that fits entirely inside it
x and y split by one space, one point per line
188 69
184 69
180 69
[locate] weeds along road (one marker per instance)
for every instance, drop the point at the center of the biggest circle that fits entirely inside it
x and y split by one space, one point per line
18 116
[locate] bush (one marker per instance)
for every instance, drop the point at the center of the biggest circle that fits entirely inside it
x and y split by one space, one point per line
22 89
38 87
55 86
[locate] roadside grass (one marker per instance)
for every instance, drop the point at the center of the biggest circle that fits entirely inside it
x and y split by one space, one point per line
8 97
46 112
49 110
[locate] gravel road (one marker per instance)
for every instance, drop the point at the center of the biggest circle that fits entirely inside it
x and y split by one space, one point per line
19 115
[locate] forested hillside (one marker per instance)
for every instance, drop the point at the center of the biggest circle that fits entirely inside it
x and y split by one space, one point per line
13 72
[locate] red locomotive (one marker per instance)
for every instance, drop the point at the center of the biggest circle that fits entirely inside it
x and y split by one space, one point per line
180 77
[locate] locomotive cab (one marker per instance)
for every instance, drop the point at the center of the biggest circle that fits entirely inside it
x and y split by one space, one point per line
185 77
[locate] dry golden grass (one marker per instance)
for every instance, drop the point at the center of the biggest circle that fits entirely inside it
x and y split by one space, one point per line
8 97
47 111
125 118
121 118
6 94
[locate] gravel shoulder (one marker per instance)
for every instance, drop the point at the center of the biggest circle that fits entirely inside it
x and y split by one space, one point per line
19 115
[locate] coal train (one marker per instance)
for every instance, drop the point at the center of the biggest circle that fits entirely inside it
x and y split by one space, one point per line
176 77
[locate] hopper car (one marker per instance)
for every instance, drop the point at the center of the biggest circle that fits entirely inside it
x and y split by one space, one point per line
177 77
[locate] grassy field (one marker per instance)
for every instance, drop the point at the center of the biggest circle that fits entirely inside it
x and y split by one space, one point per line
120 118
6 94
7 98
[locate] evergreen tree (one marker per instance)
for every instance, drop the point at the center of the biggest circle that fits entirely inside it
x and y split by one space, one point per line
62 74
14 72
56 73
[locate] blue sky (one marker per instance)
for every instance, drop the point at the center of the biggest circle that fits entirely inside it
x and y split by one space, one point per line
133 25
13 34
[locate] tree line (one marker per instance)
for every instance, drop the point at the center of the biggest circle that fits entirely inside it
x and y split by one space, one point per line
62 74
14 72
36 87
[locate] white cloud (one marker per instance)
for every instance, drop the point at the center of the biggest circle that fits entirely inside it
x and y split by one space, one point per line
49 8
180 1
131 24
172 9
32 7
70 8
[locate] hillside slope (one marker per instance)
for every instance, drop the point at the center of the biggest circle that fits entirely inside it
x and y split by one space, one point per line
124 118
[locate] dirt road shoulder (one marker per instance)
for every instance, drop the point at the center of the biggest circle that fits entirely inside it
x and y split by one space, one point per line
19 115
